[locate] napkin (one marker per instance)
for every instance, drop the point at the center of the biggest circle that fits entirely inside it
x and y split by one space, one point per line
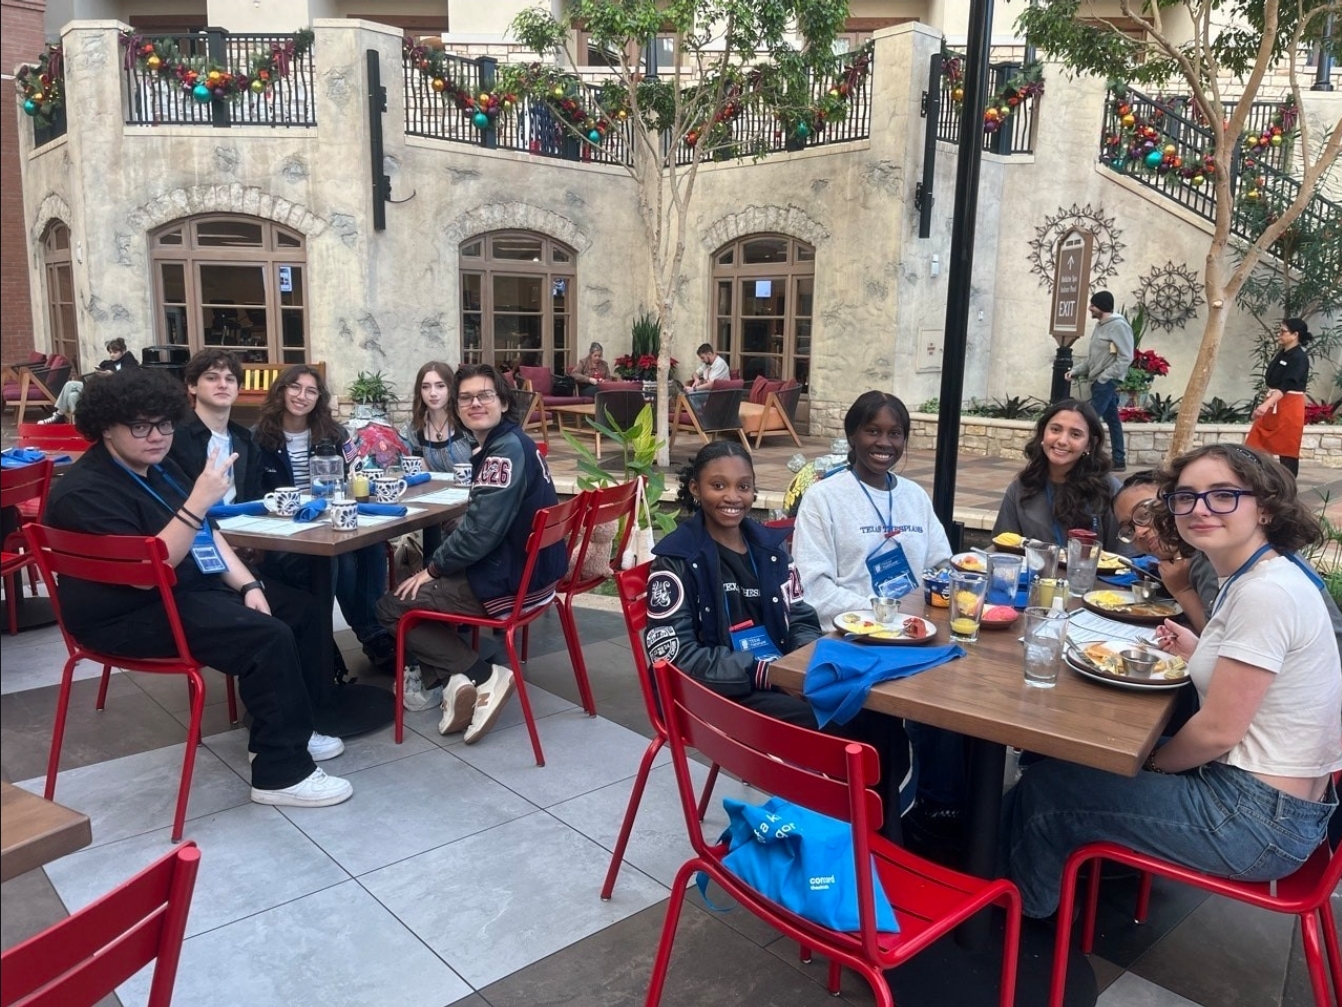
841 674
310 511
417 478
254 509
384 510
1120 579
13 458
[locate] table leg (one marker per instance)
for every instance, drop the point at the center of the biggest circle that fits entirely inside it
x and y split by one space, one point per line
987 766
345 709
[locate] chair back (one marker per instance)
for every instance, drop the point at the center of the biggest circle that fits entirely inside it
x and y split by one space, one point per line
26 482
114 560
549 526
619 407
632 586
790 523
789 397
717 410
601 506
56 438
818 771
84 957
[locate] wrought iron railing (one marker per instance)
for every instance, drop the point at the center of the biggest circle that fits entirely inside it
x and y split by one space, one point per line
1014 136
156 97
44 131
1179 117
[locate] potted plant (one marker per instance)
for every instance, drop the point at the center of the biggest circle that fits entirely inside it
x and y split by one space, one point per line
370 394
641 363
1146 366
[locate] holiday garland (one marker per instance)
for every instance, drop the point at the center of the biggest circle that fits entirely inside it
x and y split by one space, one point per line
208 81
1024 84
1136 141
481 109
43 85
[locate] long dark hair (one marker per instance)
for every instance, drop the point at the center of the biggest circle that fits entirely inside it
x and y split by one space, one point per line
1298 326
270 424
711 451
1086 492
507 394
419 412
866 407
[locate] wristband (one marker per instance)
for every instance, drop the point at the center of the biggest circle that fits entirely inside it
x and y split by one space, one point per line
1150 764
251 585
186 521
196 517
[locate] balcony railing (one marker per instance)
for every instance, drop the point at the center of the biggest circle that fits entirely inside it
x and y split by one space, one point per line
162 98
1016 136
50 129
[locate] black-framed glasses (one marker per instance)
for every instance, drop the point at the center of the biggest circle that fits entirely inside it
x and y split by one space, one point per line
484 398
1141 517
1182 502
140 429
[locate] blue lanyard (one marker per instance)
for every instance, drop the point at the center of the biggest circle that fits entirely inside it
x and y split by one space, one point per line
889 524
1058 536
1245 566
150 490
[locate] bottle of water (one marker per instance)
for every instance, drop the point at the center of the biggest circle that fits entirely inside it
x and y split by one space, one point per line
327 470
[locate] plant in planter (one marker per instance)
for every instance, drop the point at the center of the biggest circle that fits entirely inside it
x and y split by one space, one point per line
1217 410
641 363
1146 366
371 394
638 458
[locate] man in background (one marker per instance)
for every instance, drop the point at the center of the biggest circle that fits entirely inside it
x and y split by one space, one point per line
1111 351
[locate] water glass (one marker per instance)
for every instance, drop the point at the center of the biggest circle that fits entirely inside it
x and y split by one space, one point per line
1083 558
1045 631
1041 558
1003 577
968 591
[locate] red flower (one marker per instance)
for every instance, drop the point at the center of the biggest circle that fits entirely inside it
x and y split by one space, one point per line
1151 362
1320 412
1127 414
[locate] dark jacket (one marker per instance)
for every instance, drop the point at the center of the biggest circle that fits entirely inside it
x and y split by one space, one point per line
191 448
510 482
687 619
275 470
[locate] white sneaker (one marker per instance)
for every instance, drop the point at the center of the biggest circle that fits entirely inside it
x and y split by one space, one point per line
489 700
322 747
458 705
416 696
317 791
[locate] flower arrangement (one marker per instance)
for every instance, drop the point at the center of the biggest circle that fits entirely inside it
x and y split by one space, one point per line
1146 366
640 368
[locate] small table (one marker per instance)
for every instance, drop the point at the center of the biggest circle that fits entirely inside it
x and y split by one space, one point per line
348 709
35 831
580 413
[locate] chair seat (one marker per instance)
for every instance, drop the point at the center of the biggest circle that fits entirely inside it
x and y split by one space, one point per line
750 416
11 391
564 400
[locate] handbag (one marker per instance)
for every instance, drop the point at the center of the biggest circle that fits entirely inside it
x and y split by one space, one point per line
802 860
639 549
563 384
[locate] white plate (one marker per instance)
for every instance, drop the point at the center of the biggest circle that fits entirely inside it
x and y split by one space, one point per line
1126 598
855 629
1155 683
969 562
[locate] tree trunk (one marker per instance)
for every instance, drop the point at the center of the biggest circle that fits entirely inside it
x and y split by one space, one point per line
1212 334
663 406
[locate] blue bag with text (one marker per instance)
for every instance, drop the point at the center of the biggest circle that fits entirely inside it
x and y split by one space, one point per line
802 860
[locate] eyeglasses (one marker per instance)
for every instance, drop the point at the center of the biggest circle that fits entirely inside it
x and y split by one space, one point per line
304 391
140 429
484 398
1141 518
1182 502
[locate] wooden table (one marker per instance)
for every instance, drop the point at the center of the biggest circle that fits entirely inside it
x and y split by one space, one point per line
348 709
580 412
35 831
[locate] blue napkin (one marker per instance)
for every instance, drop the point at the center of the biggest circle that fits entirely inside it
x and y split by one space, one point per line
1121 579
417 478
13 458
384 510
254 509
310 511
1022 597
841 674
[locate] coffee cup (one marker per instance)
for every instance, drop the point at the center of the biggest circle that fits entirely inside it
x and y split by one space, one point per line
386 489
283 501
372 472
344 515
463 472
412 465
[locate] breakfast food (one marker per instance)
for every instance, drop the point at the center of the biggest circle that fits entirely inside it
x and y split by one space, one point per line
855 622
915 629
1009 540
1124 604
1105 658
969 561
999 613
1109 562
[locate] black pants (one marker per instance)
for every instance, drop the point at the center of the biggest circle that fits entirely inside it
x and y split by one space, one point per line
271 661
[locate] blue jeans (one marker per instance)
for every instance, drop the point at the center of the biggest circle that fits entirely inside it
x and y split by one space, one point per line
939 764
1216 819
360 580
1104 397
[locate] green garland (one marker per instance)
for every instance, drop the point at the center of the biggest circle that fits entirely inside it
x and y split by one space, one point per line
43 85
206 81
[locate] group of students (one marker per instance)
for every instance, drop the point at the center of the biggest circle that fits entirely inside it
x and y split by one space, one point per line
164 453
1242 789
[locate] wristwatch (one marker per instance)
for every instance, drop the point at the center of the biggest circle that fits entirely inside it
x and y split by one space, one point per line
250 586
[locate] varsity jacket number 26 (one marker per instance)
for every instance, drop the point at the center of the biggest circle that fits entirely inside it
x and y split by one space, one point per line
687 616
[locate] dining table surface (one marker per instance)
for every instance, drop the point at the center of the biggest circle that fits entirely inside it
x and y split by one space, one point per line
35 831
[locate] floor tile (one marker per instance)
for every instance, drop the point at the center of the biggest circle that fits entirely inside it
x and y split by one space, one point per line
252 859
1134 991
400 809
1121 940
35 658
582 754
499 900
337 946
170 691
361 751
138 793
1297 991
543 704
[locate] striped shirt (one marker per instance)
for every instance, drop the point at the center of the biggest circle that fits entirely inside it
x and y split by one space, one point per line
299 448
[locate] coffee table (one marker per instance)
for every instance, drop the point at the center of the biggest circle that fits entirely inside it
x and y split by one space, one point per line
35 831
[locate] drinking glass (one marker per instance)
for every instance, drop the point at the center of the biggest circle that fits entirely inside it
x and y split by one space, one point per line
1045 631
1083 557
1003 577
968 591
1041 558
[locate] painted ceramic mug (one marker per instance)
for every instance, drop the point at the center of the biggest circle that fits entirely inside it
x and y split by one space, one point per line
387 489
463 472
344 515
412 465
283 501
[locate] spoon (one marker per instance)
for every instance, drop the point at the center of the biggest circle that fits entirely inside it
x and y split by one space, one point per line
1124 561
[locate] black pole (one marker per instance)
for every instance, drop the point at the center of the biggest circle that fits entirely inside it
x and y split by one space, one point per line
1062 384
1325 68
958 285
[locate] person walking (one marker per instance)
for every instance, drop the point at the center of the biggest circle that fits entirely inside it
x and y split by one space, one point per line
1279 420
1111 350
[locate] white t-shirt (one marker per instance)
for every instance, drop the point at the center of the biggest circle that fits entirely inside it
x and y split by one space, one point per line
299 448
1273 618
716 371
223 443
838 525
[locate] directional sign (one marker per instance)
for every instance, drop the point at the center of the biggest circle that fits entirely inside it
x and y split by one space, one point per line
1071 286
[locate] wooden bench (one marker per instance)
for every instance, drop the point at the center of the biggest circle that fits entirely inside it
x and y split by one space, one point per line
257 379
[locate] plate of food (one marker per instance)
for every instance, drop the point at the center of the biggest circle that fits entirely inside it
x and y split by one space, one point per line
1127 665
1009 541
998 617
970 562
861 626
1109 563
1124 606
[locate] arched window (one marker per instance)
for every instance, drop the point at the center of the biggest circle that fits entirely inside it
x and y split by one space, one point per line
61 316
233 282
762 290
517 300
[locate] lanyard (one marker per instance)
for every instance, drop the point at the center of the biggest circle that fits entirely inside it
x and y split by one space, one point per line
889 524
1058 536
149 489
1245 566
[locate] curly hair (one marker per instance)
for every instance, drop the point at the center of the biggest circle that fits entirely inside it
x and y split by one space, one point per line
1151 478
865 408
711 451
1086 492
1290 527
270 424
507 394
136 393
419 412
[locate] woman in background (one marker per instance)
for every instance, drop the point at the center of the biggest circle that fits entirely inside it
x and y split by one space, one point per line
591 370
1279 420
431 431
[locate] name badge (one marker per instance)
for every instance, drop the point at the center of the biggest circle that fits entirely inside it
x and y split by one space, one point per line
755 640
206 553
891 576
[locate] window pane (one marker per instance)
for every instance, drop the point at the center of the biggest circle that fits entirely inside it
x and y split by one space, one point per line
285 240
559 288
803 348
805 286
174 283
801 370
763 297
58 237
724 297
228 326
173 237
291 328
765 250
723 343
470 332
805 253
228 234
470 292
516 246
762 335
666 51
473 250
559 255
232 285
65 289
727 257
291 276
753 367
174 325
517 293
518 337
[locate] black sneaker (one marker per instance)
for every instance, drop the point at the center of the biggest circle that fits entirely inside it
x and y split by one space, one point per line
381 653
1120 466
935 831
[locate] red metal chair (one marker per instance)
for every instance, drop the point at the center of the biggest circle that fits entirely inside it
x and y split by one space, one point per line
1306 894
53 438
633 588
86 956
125 561
609 504
550 525
24 488
832 776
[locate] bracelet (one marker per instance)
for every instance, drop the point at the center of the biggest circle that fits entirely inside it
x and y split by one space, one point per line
1150 764
185 521
198 519
251 585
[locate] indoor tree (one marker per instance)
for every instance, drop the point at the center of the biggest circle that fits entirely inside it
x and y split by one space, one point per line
1203 44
